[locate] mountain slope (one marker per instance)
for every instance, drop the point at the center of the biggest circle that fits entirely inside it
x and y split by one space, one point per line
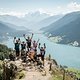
13 20
68 28
61 22
35 16
47 21
4 31
7 29
4 28
27 21
71 32
15 26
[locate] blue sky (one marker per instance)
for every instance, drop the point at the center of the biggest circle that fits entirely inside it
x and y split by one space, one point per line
18 7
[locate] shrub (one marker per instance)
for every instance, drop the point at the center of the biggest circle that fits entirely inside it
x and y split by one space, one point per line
4 52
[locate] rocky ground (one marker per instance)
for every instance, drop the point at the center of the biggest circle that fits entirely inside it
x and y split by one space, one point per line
50 71
33 72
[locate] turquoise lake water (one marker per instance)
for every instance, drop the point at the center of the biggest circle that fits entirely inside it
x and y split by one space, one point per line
64 54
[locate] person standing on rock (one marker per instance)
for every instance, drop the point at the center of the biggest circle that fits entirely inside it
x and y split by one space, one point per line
17 47
29 40
23 46
42 52
23 49
35 44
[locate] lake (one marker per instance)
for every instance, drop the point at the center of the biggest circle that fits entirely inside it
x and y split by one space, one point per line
64 54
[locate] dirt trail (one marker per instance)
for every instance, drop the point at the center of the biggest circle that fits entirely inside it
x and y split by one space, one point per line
34 73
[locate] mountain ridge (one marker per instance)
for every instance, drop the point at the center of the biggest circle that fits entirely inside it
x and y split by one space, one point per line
68 31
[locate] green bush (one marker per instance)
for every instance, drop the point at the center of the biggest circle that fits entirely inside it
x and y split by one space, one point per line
4 52
0 75
1 70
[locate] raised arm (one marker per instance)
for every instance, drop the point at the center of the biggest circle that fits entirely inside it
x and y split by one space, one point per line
39 45
44 46
38 41
25 37
32 36
14 41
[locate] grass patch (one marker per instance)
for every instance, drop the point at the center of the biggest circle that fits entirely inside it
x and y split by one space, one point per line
77 71
20 75
56 77
1 70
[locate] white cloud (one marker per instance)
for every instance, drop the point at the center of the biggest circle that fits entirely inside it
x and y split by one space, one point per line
71 7
10 12
74 6
44 11
18 14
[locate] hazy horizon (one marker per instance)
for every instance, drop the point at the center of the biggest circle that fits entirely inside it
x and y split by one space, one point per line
20 8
